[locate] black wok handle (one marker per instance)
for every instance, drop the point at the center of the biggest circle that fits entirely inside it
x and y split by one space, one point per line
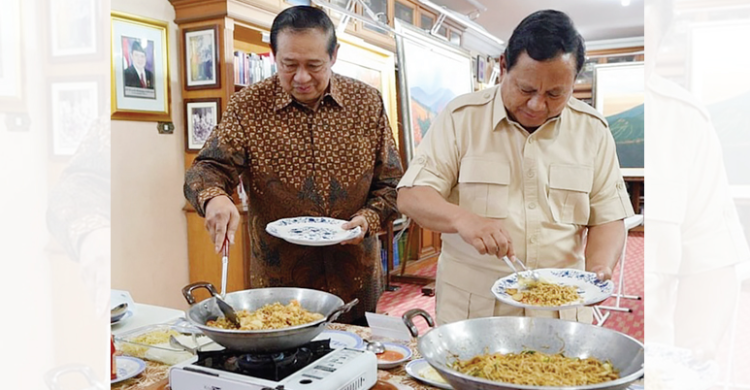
187 291
341 310
407 318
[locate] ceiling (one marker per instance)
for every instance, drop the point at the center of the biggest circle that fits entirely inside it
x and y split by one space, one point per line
596 20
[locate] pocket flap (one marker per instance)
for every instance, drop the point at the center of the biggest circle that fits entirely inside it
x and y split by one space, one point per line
571 177
484 170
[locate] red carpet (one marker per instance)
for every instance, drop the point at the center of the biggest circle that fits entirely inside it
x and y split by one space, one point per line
409 296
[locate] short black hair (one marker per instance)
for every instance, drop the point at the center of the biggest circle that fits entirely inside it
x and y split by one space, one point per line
544 35
301 18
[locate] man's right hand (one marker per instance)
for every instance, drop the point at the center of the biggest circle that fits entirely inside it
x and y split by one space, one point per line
486 235
222 220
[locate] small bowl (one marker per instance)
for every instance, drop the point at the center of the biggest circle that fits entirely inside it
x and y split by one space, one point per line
391 348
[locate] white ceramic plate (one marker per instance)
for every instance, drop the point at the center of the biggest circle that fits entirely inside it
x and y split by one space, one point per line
341 339
128 367
312 231
400 348
591 290
416 369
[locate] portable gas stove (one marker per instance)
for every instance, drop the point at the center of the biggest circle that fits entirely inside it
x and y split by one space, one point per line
314 366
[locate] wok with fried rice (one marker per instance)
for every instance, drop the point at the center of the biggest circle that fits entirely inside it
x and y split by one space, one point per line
470 341
328 307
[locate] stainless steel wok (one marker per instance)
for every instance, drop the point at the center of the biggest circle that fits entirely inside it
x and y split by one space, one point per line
468 338
264 341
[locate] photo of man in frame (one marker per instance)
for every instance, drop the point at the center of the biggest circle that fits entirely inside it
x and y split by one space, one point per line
138 67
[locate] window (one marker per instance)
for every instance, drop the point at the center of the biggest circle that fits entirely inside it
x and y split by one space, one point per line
455 38
380 9
404 13
426 21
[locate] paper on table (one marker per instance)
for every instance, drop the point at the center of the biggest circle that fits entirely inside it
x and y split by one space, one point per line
387 327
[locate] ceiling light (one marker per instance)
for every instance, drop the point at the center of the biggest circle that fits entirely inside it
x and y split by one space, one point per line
625 3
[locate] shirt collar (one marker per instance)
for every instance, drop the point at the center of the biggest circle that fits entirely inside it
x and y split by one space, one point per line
284 99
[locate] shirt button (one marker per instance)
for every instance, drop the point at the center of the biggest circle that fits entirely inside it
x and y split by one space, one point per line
421 160
532 239
532 205
620 185
486 95
530 140
530 173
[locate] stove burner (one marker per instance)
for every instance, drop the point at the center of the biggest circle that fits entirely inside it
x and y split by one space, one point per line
274 366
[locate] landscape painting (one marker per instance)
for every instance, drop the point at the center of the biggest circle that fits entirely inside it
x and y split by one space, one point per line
619 96
432 74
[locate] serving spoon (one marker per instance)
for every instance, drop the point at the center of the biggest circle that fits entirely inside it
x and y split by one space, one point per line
118 312
375 347
528 280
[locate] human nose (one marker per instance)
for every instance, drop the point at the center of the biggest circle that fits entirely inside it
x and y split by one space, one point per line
536 103
302 75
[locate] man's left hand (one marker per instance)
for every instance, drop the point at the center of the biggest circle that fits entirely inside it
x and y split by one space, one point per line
356 221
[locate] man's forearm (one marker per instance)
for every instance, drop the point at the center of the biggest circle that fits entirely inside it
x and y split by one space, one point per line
429 209
604 246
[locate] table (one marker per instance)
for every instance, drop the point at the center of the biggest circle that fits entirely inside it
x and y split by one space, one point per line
155 377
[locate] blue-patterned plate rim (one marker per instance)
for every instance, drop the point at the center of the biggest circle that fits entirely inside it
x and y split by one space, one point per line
123 374
359 343
598 292
273 228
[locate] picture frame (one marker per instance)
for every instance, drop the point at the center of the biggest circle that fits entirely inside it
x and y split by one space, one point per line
73 28
201 117
140 69
201 49
481 68
371 65
75 107
619 94
11 60
432 72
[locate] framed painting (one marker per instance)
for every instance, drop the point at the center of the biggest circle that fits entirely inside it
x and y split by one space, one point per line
371 65
201 57
75 107
73 28
618 93
11 75
722 85
140 69
432 72
201 116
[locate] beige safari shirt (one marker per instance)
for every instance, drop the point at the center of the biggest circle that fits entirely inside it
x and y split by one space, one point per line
547 187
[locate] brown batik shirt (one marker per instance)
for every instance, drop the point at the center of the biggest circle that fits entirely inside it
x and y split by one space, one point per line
339 161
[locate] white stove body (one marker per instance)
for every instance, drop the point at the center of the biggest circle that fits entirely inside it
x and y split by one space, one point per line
341 369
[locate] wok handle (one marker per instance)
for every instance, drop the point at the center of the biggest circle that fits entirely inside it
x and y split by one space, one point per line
187 291
407 318
341 310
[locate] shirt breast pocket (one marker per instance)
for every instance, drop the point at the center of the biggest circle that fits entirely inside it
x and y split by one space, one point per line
569 188
483 187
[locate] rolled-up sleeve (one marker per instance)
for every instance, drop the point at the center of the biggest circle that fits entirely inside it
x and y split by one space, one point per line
436 162
609 197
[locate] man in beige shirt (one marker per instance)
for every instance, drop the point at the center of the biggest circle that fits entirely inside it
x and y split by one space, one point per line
521 169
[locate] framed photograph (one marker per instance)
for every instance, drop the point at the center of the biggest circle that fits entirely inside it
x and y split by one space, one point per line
201 116
140 69
618 94
201 57
481 68
432 72
374 66
11 75
75 107
73 30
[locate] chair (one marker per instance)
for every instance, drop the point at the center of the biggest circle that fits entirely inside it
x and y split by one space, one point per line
599 316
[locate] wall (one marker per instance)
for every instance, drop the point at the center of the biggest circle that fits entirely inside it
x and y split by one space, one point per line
149 229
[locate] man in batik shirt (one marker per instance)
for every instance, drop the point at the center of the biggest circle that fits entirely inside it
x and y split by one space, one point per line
306 142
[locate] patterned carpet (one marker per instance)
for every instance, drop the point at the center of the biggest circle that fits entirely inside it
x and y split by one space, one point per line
409 296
